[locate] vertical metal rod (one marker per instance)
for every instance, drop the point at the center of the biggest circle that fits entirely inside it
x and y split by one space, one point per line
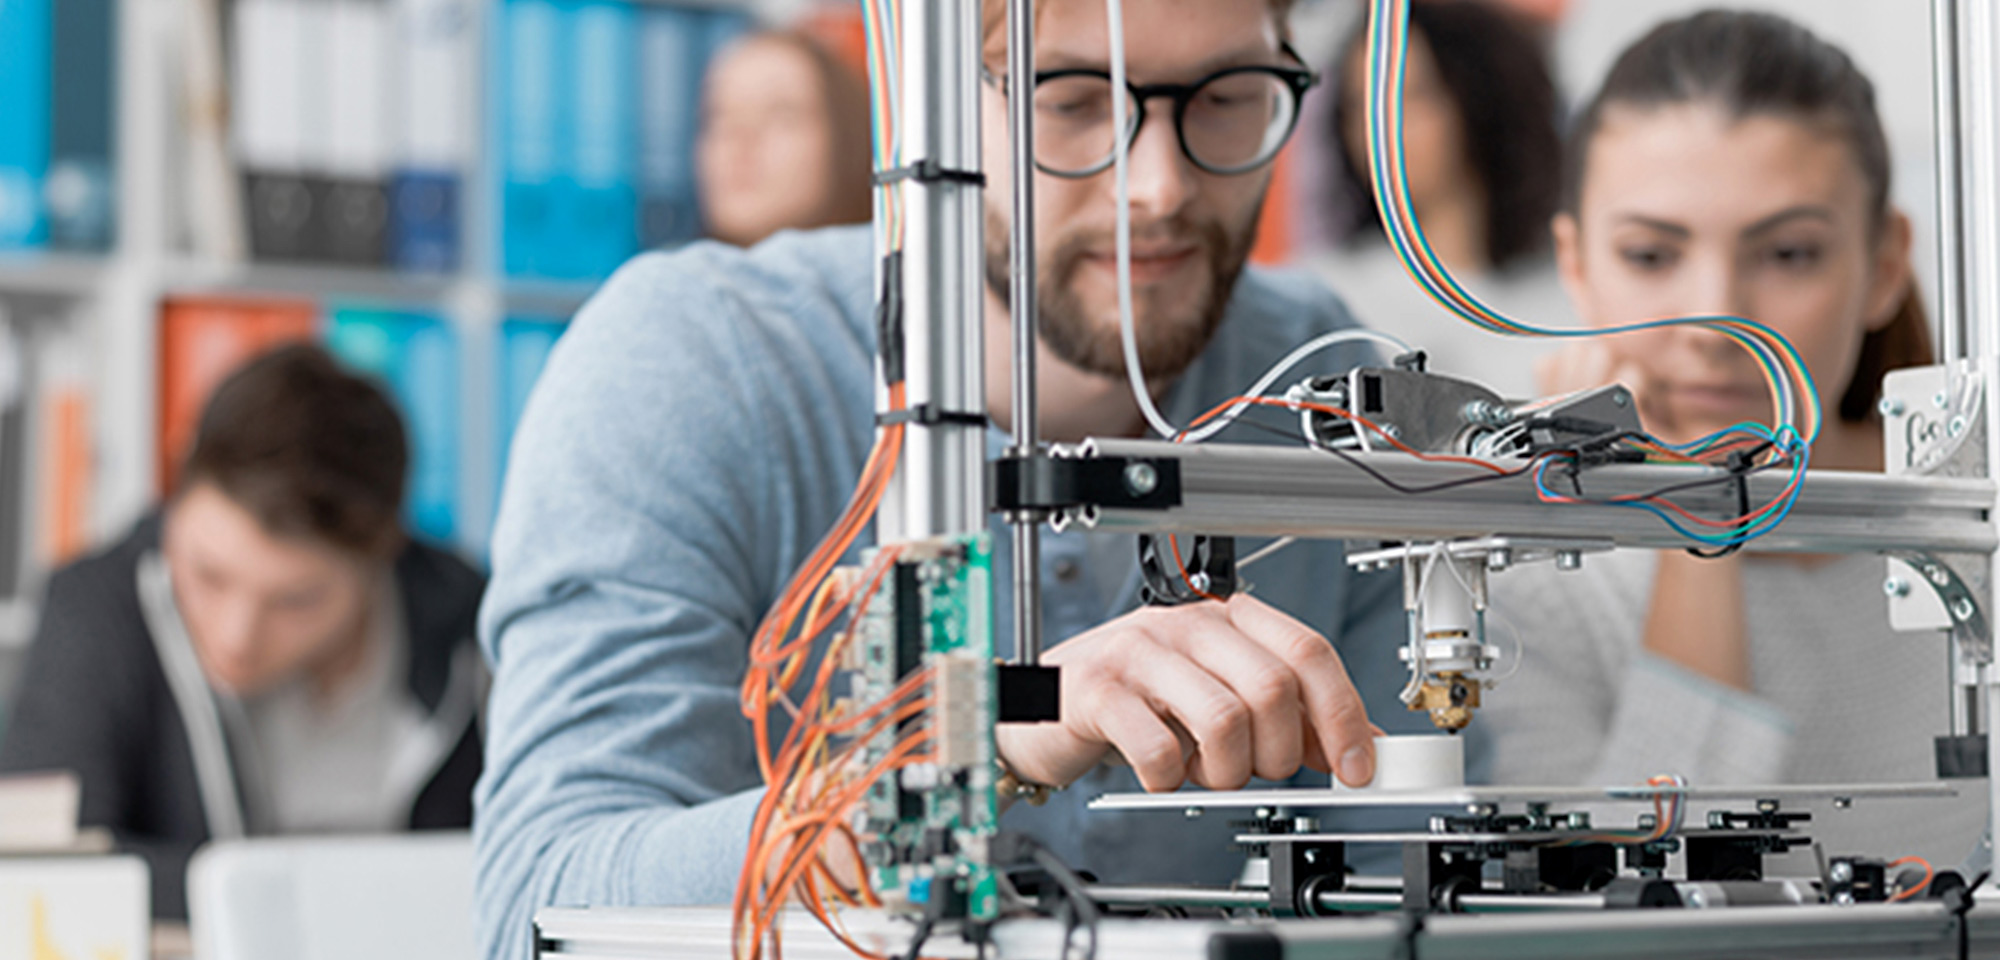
939 489
1027 531
1952 340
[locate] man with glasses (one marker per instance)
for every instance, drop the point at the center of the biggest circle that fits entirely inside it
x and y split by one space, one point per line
705 418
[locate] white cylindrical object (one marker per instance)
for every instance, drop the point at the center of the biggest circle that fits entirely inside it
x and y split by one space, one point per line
1446 604
1421 762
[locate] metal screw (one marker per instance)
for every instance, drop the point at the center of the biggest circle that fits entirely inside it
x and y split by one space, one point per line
1192 813
1312 856
1141 478
1620 398
1718 820
1843 803
1767 806
1956 426
1648 821
1844 898
1895 587
1840 872
1697 897
1199 581
1961 608
1500 559
1939 400
1304 825
1890 407
1569 559
1579 821
1483 412
1937 574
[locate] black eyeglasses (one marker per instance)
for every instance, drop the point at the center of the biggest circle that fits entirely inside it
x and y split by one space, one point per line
1229 122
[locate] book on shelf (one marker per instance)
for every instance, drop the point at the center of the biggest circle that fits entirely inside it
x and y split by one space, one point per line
203 340
531 77
437 46
24 121
273 63
598 220
524 347
351 89
415 356
38 812
80 193
595 117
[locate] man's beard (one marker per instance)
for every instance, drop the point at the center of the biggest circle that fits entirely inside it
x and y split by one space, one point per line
1170 335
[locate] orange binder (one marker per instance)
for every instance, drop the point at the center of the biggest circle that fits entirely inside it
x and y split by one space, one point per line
202 342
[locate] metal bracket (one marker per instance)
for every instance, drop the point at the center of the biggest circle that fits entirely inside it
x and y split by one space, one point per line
1957 581
1046 483
1934 421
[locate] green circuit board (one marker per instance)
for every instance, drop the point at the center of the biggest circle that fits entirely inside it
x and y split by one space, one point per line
925 830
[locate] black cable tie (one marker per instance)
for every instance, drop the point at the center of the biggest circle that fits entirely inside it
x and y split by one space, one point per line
1739 470
928 171
930 415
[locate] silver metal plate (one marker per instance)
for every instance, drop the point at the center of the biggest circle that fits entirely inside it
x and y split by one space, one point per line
1329 798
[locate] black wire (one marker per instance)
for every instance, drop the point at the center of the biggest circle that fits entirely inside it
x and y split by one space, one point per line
1381 478
1733 476
1077 898
923 933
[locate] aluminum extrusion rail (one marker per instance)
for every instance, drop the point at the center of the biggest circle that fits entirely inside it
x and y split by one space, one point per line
1250 490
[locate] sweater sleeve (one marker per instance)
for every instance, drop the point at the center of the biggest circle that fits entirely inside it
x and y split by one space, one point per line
1590 706
671 469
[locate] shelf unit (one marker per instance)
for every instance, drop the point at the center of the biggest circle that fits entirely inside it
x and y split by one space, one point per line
101 312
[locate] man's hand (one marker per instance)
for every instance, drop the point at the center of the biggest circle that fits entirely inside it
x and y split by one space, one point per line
1209 693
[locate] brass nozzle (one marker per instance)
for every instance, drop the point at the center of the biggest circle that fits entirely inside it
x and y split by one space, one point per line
1450 698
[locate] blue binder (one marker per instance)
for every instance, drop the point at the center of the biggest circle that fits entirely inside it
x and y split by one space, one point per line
524 345
530 83
416 358
24 121
80 192
600 226
674 48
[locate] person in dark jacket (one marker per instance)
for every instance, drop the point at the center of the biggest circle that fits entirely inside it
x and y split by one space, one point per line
269 653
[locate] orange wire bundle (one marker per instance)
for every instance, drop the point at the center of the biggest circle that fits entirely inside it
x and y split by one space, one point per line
809 782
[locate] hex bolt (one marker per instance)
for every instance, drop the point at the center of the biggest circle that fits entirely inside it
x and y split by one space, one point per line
1141 478
1569 559
1895 587
1937 574
1890 407
1841 871
1962 609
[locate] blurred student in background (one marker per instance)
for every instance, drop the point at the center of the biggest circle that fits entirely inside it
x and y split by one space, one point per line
1734 164
1483 157
269 653
784 139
